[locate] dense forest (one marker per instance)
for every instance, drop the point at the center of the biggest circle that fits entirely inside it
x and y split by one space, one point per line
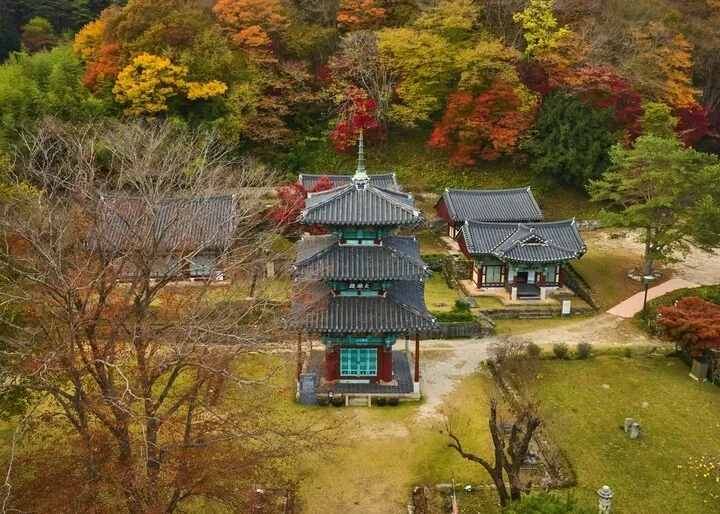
555 83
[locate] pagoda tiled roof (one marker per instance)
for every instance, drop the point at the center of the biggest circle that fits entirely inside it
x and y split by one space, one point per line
398 258
553 241
360 204
384 180
492 205
401 310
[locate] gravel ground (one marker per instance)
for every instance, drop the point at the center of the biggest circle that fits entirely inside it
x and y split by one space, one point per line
445 362
697 266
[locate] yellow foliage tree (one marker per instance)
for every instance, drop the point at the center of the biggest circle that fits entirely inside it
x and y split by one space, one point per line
149 81
88 41
254 21
542 34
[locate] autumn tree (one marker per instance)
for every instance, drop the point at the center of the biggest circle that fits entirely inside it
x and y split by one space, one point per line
540 27
292 200
255 23
657 120
694 323
38 34
154 390
359 64
149 81
486 126
670 192
357 113
360 15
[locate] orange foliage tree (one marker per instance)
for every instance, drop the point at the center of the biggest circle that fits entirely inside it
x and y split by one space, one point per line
694 323
254 22
360 14
485 126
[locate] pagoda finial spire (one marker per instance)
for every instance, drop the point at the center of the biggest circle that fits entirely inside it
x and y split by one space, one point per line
361 176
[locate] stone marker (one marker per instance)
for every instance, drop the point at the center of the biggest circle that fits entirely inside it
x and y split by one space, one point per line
628 422
634 430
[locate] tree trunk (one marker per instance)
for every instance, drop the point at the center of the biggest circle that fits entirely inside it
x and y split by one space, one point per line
647 262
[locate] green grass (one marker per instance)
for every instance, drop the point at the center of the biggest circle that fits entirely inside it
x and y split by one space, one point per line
487 302
386 451
429 243
606 273
437 291
681 421
514 326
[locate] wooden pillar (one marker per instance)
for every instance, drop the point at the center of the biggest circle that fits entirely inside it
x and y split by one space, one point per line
299 355
417 357
561 276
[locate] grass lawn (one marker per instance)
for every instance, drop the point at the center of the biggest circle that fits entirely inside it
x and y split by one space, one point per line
514 326
429 243
680 420
437 291
606 272
385 451
487 302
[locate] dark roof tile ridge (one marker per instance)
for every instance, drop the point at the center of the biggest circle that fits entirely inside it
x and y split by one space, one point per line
398 301
321 253
386 196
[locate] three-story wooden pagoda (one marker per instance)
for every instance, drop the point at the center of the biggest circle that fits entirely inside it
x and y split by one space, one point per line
364 284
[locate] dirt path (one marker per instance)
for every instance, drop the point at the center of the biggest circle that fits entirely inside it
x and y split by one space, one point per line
444 363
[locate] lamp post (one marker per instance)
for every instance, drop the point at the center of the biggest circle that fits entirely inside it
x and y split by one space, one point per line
646 280
605 499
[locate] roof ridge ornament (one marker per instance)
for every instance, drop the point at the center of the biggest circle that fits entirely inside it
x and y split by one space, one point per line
361 178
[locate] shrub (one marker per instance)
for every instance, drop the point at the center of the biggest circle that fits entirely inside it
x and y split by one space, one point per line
393 401
461 306
628 352
533 350
560 350
338 401
584 350
380 401
323 401
708 293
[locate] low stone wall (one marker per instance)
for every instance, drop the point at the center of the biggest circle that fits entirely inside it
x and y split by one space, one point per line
460 330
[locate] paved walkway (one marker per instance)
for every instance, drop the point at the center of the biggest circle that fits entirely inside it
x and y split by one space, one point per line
634 304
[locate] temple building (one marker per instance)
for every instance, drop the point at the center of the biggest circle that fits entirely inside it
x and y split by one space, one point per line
510 248
527 259
362 284
456 206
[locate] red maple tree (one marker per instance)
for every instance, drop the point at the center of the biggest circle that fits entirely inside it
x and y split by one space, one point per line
356 113
485 126
693 123
292 200
694 323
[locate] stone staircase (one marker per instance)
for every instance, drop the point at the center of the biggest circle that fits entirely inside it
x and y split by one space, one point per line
358 401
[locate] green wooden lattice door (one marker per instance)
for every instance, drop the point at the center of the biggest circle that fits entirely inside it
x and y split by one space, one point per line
358 362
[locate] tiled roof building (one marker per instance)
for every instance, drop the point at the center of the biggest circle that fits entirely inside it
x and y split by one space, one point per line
368 289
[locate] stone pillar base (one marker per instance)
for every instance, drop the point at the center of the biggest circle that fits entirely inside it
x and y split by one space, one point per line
416 387
542 293
513 293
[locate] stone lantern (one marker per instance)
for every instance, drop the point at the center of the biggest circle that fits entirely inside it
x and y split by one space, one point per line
605 500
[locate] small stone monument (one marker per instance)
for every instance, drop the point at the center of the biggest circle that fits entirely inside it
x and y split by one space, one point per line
605 501
628 422
634 430
566 307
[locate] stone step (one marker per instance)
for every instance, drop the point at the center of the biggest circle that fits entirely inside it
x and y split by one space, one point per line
535 315
358 401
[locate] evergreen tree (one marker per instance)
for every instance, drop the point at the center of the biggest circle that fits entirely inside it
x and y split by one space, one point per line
572 141
9 39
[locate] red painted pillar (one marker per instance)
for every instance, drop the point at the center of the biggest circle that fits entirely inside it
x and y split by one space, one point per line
332 364
561 277
384 364
417 357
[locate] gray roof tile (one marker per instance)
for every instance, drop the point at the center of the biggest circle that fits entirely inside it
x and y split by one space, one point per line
402 310
173 223
552 241
398 258
384 180
354 205
501 205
